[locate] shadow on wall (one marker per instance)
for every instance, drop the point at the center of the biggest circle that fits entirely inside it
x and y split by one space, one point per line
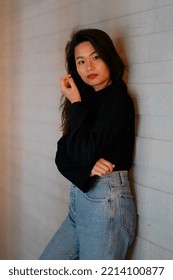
121 48
9 186
4 139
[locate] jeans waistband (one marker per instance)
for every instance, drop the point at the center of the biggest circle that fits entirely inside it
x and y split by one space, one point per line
114 174
119 176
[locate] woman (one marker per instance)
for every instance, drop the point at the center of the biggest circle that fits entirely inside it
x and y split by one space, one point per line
95 152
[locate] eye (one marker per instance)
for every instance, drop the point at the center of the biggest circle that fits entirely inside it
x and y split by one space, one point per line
96 57
80 62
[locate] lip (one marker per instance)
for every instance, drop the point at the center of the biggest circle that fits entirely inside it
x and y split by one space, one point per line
92 76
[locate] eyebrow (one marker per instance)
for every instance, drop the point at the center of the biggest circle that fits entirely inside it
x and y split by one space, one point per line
79 57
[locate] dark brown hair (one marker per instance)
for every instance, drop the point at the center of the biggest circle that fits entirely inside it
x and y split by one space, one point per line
104 46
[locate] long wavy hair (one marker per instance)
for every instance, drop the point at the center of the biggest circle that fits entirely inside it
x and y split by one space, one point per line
105 48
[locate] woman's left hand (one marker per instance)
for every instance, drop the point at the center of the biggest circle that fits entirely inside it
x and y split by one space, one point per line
69 88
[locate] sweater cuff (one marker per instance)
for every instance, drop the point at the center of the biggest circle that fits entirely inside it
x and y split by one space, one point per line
77 108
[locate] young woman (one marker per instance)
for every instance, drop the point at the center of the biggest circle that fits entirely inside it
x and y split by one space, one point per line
95 152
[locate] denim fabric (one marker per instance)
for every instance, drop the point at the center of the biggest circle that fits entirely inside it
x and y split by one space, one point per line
100 225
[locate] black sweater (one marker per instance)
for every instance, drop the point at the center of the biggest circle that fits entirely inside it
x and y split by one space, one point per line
102 129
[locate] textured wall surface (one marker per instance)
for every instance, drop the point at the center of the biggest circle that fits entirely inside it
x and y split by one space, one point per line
33 195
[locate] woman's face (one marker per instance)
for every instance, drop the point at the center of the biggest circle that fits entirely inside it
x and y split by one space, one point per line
91 68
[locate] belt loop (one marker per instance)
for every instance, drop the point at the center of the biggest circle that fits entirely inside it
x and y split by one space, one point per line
123 173
120 177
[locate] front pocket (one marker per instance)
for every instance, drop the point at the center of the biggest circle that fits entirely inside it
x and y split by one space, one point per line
99 193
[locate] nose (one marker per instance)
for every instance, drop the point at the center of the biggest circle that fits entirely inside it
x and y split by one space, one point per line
89 66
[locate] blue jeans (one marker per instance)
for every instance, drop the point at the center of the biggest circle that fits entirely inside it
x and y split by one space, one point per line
100 225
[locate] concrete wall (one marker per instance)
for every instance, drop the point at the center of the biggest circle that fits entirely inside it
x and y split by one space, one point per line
33 195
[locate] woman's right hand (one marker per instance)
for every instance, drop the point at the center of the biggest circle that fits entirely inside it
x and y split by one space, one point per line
102 167
69 88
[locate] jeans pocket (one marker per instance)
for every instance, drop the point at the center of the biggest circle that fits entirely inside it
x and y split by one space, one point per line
100 193
127 212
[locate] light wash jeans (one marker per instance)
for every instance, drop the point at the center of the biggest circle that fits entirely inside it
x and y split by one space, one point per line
100 225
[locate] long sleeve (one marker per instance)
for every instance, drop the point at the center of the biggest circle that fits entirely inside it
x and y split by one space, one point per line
70 169
107 131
